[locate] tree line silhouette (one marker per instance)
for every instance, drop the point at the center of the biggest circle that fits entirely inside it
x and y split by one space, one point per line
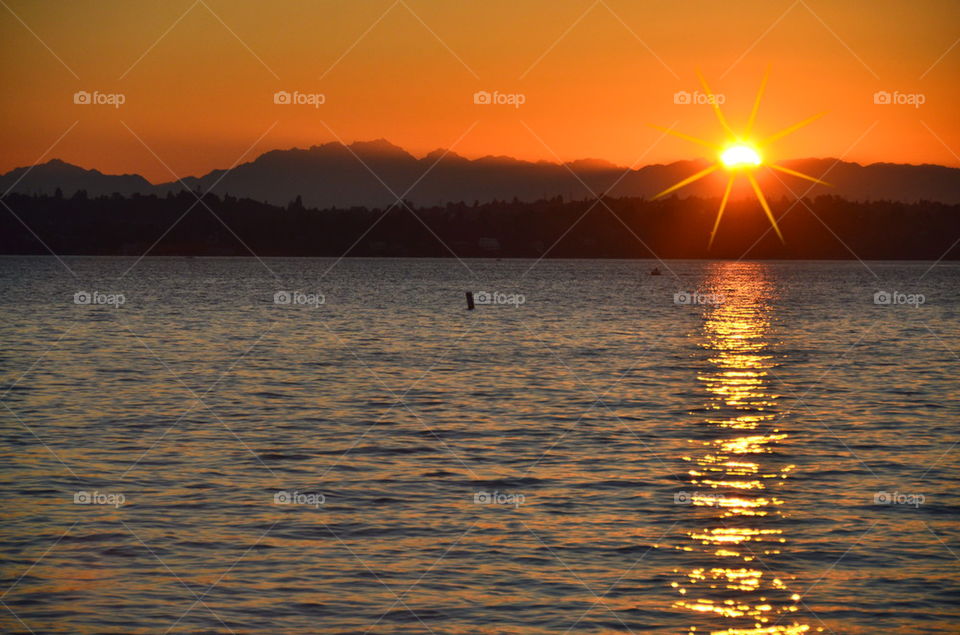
826 227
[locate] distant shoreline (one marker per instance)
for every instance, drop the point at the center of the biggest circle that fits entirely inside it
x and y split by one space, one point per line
183 225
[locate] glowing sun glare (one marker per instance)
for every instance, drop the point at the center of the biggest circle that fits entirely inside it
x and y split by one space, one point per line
738 156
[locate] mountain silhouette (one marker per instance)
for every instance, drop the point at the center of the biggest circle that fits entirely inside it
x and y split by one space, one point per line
374 173
47 177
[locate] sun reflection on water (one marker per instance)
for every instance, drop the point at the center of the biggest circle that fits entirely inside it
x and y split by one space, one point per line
736 468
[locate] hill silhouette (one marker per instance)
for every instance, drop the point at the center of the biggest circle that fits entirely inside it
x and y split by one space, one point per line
337 175
47 177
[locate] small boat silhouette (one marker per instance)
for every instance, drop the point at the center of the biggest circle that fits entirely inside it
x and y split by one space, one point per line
655 271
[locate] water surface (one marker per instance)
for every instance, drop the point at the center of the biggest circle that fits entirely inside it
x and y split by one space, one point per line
773 456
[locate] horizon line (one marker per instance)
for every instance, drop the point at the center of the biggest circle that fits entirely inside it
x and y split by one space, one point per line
450 153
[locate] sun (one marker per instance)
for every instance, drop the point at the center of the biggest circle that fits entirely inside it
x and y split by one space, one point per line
739 155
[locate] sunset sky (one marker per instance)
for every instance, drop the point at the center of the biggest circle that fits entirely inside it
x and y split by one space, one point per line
198 78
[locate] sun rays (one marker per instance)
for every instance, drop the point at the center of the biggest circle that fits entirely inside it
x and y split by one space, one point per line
739 154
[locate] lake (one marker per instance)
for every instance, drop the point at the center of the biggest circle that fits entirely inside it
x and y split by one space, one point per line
321 446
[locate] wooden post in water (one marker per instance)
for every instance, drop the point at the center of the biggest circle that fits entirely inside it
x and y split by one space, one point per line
469 300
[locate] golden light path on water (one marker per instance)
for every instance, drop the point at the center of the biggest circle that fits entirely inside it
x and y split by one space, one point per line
735 471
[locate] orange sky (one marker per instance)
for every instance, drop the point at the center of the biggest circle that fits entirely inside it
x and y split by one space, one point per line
592 73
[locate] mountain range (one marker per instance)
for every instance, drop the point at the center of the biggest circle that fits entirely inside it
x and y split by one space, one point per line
375 173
